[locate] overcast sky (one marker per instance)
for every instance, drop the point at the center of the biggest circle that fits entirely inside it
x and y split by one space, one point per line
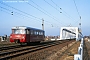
56 14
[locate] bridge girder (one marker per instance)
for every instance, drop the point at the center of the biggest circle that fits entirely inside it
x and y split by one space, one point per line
70 33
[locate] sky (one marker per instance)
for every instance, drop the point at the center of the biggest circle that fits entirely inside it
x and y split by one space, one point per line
55 13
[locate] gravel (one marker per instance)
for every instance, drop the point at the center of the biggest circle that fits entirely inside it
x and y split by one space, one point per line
52 53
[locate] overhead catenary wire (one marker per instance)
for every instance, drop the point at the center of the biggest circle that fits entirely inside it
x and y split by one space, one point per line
13 13
59 7
55 7
58 10
47 13
52 6
40 7
77 9
4 11
10 11
63 11
24 12
19 10
78 13
29 14
43 12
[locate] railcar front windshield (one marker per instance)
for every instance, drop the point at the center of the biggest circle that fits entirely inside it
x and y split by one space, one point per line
18 31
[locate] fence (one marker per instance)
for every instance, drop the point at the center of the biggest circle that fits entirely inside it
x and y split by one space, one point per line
79 56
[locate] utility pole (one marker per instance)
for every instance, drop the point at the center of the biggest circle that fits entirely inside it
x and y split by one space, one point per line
42 24
80 24
80 21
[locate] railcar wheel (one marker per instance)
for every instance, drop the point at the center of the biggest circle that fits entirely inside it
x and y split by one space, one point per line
22 43
17 41
28 43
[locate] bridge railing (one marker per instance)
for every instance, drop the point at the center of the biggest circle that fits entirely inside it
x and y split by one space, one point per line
79 56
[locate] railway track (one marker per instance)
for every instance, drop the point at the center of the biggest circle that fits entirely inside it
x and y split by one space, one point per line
11 53
7 47
10 47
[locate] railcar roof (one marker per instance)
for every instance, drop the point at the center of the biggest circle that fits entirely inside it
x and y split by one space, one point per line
25 27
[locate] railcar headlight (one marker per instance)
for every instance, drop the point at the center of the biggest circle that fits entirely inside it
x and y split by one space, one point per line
23 37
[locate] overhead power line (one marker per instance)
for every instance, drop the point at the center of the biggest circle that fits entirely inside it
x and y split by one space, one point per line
78 13
67 15
10 11
52 6
14 13
40 7
48 14
21 12
55 3
63 11
4 10
77 9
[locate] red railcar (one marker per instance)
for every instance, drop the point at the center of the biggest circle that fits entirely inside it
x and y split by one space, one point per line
23 34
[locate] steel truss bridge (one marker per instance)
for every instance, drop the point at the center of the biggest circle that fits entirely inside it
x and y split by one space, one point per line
70 33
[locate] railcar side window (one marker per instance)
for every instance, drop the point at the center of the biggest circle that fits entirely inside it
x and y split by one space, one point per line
27 31
41 33
37 32
31 32
34 32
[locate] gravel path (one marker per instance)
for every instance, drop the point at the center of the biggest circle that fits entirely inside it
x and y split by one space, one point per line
69 54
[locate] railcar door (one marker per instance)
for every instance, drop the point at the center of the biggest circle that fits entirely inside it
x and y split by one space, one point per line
27 35
32 36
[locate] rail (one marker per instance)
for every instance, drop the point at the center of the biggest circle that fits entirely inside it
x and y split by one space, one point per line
79 56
